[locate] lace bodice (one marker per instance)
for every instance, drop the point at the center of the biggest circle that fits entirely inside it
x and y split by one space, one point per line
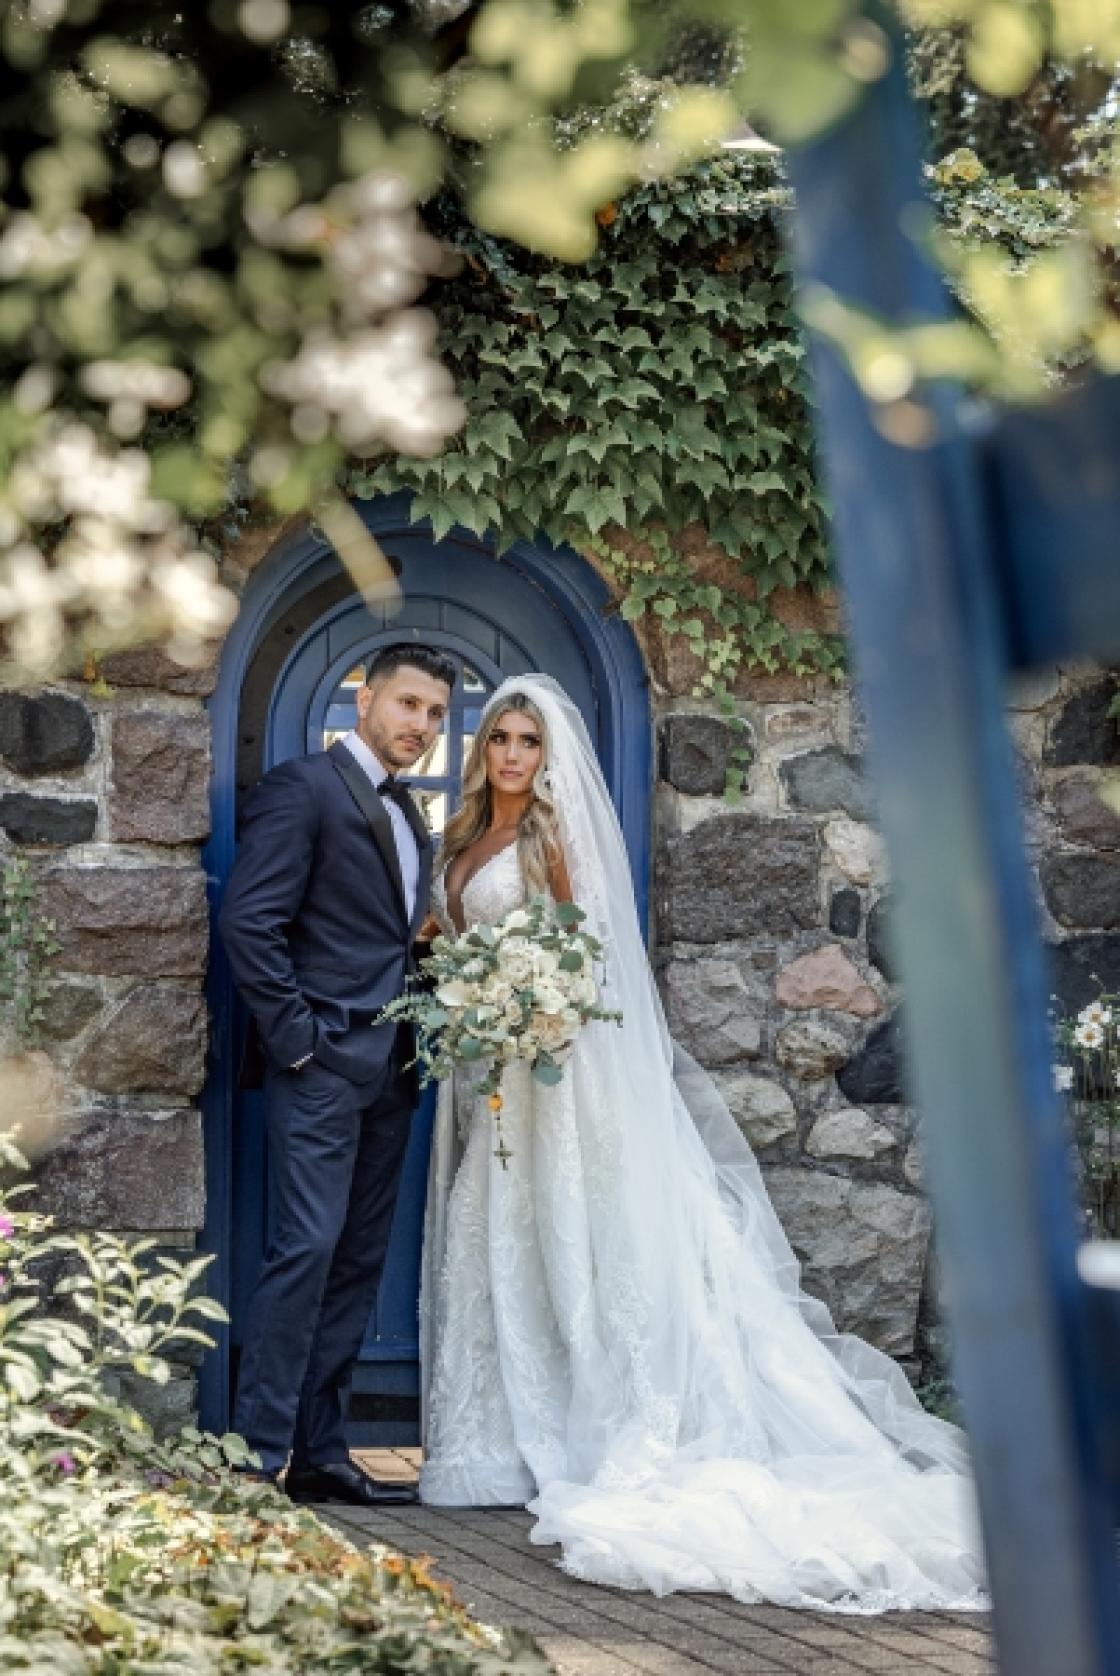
493 892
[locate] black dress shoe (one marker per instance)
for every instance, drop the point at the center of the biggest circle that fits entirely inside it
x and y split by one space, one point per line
343 1481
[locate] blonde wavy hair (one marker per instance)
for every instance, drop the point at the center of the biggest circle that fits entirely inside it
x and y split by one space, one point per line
538 838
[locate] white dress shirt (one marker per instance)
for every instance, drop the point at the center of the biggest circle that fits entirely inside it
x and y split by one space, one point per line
408 853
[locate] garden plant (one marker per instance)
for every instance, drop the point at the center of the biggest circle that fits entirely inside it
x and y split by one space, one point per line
125 1555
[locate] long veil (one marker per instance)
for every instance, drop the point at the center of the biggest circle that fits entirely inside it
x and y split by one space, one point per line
728 1436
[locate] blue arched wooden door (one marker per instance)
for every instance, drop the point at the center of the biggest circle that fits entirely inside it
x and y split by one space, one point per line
531 610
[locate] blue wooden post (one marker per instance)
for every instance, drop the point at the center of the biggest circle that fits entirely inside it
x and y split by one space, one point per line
952 559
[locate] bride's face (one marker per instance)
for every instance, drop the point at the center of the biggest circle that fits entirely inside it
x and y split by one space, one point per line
513 753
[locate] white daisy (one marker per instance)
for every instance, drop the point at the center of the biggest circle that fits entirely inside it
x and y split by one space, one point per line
1095 1013
1063 1078
1089 1035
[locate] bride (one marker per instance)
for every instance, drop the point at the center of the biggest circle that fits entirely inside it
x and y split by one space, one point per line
612 1327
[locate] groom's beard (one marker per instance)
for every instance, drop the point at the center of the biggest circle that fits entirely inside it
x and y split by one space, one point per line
394 750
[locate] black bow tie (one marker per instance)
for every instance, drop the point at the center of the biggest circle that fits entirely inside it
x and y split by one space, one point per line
394 787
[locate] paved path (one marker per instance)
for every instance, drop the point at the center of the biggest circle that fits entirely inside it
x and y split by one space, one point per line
590 1631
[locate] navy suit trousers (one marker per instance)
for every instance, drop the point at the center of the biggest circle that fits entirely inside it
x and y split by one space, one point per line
335 1159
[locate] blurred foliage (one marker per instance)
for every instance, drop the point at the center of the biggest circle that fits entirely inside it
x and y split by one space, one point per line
657 387
1030 88
127 1554
1036 139
210 256
208 249
211 262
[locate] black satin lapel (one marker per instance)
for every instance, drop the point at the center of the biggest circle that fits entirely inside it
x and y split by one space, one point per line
424 884
425 849
361 789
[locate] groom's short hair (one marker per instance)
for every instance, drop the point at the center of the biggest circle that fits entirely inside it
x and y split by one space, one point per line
407 654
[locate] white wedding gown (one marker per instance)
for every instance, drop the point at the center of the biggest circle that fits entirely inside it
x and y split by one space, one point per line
612 1327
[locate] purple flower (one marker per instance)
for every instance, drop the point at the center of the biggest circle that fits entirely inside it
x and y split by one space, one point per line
7 1227
66 1463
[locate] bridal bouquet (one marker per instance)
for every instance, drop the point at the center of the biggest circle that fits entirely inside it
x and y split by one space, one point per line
519 990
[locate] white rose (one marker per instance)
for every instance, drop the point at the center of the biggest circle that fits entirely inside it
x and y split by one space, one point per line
571 1020
547 998
516 921
546 964
515 958
499 994
553 1033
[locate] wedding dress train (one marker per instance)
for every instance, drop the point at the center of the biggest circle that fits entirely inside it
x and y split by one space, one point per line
613 1329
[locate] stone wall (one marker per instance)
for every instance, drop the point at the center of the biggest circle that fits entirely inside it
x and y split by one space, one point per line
775 963
106 791
770 942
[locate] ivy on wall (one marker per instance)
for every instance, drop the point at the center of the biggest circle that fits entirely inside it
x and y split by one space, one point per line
658 387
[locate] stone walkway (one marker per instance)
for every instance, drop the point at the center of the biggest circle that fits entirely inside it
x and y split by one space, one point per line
605 1632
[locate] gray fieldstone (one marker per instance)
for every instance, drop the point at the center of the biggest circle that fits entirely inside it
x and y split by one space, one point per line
161 778
1083 731
67 1010
844 913
762 1109
811 1049
126 1171
45 734
1082 966
878 938
857 850
1082 816
167 1408
742 874
1082 891
850 1133
874 1075
31 819
863 1248
153 1042
135 921
819 782
715 1010
914 1166
695 753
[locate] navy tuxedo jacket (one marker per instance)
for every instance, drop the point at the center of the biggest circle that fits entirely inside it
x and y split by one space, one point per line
314 918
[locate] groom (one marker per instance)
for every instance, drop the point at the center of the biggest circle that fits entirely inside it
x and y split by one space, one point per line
319 920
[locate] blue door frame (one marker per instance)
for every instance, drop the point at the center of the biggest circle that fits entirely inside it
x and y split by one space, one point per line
299 563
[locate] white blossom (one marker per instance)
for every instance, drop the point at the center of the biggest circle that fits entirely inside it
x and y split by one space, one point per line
378 385
29 246
1095 1013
